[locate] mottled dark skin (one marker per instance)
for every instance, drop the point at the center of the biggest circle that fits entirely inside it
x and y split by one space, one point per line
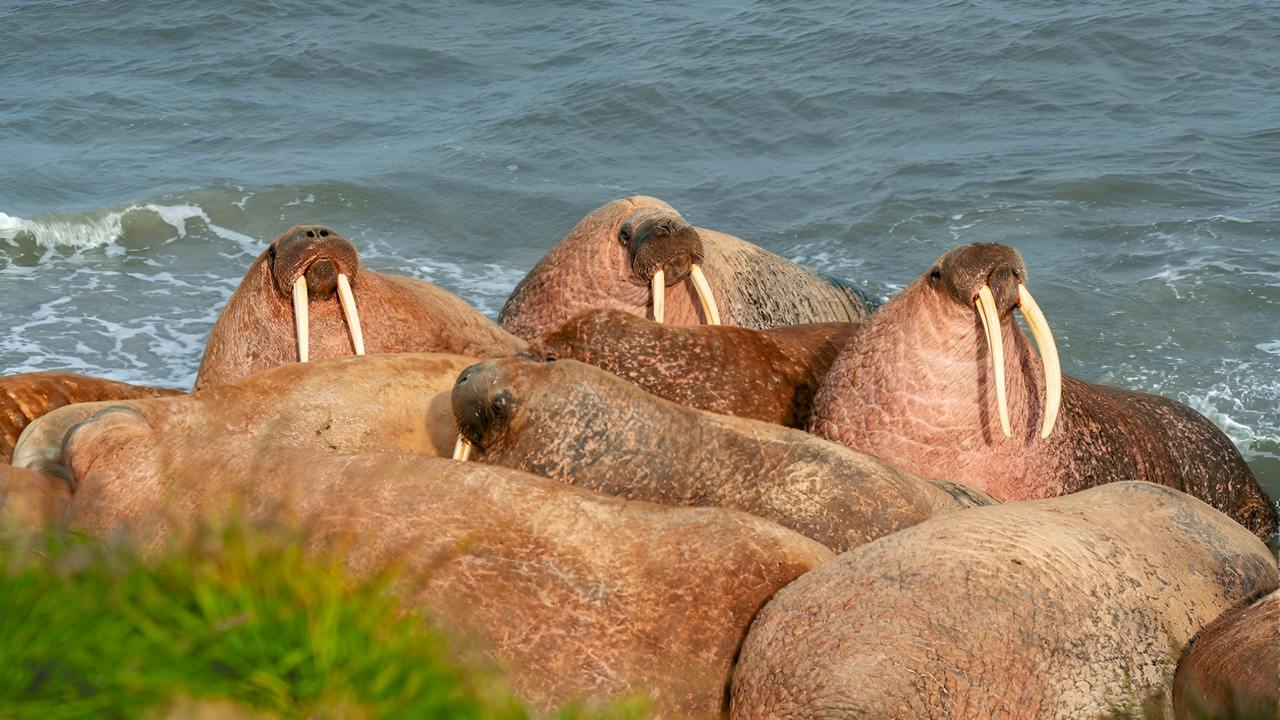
398 314
609 258
1070 607
914 387
28 396
573 593
581 425
1233 667
769 375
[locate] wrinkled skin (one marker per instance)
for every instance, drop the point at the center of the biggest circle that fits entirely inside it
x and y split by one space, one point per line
27 396
608 260
1063 608
30 501
914 387
398 314
769 375
395 402
572 592
581 425
1233 666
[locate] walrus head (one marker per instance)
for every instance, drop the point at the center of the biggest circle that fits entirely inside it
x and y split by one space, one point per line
631 254
990 280
311 263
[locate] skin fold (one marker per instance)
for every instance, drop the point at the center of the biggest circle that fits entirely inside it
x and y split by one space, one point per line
394 402
30 501
769 375
573 593
1063 608
608 260
915 387
1233 667
28 396
581 425
256 330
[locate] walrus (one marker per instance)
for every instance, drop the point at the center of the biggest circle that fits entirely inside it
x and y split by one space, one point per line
284 311
574 593
581 425
395 402
769 375
941 382
1069 607
27 396
1233 667
637 254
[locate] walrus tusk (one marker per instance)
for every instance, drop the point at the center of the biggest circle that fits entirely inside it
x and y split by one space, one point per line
349 311
300 320
704 294
991 323
659 295
1048 354
462 449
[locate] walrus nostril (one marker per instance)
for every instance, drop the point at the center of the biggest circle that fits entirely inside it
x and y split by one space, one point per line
311 233
324 233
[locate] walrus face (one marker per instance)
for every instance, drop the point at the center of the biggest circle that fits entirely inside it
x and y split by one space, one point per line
482 408
311 262
989 279
664 250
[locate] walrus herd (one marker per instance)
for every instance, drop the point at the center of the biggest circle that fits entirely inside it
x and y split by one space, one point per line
681 467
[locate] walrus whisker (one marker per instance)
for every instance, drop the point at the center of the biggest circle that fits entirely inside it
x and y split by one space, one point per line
991 323
659 295
704 294
462 449
1048 355
301 321
348 302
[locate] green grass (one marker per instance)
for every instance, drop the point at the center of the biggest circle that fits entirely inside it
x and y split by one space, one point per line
235 620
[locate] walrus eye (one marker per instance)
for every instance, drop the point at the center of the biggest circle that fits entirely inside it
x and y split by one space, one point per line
499 409
935 275
271 253
625 235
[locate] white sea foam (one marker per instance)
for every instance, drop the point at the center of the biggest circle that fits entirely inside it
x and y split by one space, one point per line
94 230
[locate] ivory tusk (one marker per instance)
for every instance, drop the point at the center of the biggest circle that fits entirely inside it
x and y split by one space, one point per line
995 342
659 295
700 284
301 322
462 449
1048 355
349 311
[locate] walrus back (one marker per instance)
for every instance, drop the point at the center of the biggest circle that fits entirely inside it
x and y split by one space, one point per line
27 396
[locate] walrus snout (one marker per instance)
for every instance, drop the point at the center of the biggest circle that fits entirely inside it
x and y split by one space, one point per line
322 279
311 262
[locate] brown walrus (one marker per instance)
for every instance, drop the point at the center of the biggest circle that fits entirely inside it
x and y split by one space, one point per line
1233 667
1072 607
395 402
919 386
284 311
27 396
638 255
769 375
581 425
574 593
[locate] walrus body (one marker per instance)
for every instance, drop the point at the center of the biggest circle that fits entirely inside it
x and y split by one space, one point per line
581 425
609 260
1233 667
915 387
769 375
574 593
259 327
395 402
27 396
1063 608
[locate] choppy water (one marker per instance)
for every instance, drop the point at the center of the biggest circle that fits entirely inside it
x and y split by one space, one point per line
1130 151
